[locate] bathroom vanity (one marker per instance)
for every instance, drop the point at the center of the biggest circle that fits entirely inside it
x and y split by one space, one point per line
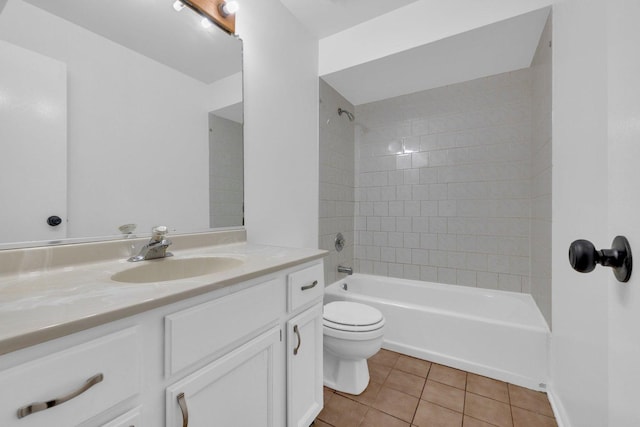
239 345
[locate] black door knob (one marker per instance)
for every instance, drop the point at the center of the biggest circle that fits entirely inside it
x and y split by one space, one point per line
54 220
583 257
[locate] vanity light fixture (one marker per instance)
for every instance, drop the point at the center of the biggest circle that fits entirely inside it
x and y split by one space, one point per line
219 12
178 5
206 23
229 7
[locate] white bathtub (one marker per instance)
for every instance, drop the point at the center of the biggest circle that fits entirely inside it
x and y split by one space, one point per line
493 333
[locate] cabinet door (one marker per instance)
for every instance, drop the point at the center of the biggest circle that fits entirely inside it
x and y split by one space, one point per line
304 367
133 418
235 390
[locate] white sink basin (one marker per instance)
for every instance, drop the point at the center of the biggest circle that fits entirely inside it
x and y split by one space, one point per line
165 269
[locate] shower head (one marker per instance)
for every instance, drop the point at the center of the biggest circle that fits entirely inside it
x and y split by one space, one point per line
349 115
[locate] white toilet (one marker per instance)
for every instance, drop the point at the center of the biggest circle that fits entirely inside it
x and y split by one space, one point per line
352 332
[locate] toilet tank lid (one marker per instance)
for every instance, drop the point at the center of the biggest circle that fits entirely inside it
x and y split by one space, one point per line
351 313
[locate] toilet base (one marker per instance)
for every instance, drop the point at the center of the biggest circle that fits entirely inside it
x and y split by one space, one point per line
347 376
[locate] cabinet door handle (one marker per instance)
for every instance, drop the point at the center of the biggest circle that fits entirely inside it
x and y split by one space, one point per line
313 285
41 406
297 332
182 402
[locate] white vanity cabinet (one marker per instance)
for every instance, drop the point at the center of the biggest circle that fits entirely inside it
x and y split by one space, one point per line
305 289
68 387
247 354
132 418
236 390
304 367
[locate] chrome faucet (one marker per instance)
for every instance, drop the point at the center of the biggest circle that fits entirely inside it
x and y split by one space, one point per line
156 247
342 269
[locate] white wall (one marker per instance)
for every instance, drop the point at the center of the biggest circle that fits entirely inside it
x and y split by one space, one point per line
281 126
337 165
580 318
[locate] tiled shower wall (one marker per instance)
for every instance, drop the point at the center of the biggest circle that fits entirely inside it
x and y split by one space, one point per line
541 174
226 173
443 184
337 176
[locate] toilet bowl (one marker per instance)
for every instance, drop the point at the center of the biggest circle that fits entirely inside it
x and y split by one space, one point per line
352 333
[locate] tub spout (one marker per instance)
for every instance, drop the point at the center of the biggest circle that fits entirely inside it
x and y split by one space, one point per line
342 269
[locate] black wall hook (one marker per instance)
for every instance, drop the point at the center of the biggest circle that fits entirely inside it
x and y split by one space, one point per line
583 257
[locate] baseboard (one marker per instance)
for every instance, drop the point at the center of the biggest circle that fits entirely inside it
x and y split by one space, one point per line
558 409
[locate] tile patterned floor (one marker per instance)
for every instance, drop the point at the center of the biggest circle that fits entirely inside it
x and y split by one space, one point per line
409 392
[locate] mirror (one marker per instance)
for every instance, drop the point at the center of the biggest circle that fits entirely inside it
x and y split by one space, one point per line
114 117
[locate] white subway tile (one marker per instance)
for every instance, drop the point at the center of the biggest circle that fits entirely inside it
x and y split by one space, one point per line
411 240
487 280
428 241
466 278
388 224
396 239
403 161
411 176
396 270
373 223
412 208
388 254
380 238
403 192
411 272
447 275
403 255
428 273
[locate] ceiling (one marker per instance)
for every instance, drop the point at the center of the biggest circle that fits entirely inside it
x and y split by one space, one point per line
460 54
493 49
326 17
154 29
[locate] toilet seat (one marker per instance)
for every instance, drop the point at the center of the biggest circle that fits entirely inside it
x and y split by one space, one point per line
351 317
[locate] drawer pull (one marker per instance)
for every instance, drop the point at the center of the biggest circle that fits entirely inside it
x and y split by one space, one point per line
182 402
313 285
41 406
297 332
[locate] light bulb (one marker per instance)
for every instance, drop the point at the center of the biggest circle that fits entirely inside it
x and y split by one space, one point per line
178 5
230 7
206 23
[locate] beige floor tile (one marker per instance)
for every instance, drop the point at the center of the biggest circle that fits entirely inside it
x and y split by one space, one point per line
398 396
375 418
488 387
404 382
535 401
385 358
368 396
467 421
488 410
524 418
449 376
378 373
396 403
430 415
444 395
413 366
327 393
342 412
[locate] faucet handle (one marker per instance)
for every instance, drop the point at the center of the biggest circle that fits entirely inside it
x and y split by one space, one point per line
158 232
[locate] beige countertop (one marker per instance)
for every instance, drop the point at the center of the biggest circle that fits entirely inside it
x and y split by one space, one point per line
46 293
